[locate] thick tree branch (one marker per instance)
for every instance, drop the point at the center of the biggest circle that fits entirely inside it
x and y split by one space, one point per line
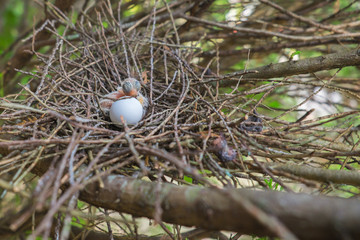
308 217
311 173
319 174
309 65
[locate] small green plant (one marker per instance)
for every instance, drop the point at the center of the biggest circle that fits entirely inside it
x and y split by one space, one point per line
294 54
273 185
188 179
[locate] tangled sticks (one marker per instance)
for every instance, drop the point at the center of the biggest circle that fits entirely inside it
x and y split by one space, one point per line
199 127
185 113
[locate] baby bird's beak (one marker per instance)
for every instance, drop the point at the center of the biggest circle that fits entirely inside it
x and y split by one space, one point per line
133 93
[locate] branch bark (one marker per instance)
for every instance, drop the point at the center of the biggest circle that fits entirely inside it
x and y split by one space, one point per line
319 174
308 217
309 65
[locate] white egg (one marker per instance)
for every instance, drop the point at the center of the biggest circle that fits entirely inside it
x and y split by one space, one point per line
129 108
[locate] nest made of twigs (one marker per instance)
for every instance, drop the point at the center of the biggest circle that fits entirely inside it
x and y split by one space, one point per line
71 81
188 116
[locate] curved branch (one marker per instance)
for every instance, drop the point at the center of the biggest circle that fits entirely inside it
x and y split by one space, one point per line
322 175
308 217
309 65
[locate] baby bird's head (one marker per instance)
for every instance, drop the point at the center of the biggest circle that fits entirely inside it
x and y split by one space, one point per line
131 87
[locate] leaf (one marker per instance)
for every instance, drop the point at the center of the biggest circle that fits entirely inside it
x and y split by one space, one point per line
188 179
105 24
294 54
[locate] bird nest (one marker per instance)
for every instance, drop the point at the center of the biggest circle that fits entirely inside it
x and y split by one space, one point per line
192 123
62 116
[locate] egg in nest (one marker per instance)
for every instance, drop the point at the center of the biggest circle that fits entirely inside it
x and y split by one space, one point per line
129 108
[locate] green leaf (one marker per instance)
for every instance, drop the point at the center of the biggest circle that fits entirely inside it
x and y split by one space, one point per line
188 179
105 24
294 54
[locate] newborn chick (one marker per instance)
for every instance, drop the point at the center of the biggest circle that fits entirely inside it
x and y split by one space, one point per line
131 87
